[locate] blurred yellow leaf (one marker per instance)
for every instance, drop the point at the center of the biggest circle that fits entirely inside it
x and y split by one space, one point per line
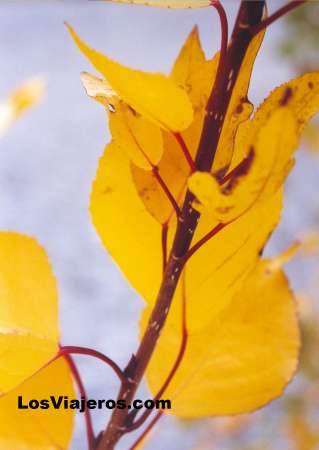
29 332
38 429
27 95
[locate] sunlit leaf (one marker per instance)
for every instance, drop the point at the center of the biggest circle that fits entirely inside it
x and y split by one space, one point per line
139 138
269 162
38 429
300 95
99 90
243 359
29 332
153 95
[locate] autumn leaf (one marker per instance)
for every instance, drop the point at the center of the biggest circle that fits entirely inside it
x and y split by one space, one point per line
27 95
29 332
38 429
149 94
242 359
243 337
268 164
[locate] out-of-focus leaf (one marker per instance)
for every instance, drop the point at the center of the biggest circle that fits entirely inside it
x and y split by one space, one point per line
29 332
38 429
27 95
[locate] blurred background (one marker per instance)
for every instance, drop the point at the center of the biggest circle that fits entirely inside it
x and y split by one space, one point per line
48 161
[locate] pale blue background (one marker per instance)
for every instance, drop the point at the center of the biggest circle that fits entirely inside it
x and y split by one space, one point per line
48 161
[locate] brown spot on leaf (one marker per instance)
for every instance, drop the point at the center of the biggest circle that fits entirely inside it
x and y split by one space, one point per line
286 97
239 108
310 85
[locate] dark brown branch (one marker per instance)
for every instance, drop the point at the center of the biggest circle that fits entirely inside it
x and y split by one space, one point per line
250 14
164 244
174 368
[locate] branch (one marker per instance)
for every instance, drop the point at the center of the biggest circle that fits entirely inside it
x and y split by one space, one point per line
250 14
185 150
275 16
175 367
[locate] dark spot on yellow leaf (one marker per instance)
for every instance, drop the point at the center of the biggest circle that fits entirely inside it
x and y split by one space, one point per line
239 108
310 85
241 170
286 97
219 174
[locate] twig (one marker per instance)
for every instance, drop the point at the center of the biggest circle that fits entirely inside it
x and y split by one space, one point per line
185 150
276 15
82 392
166 190
67 350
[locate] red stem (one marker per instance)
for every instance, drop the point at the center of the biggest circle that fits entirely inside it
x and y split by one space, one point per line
204 239
67 350
224 33
82 392
165 188
157 175
275 16
146 431
185 150
176 365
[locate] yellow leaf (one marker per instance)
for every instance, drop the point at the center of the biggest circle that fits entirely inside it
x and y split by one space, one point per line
196 75
99 90
239 108
139 138
133 238
128 231
175 4
269 163
242 359
29 332
37 429
193 72
153 95
27 95
218 269
300 95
